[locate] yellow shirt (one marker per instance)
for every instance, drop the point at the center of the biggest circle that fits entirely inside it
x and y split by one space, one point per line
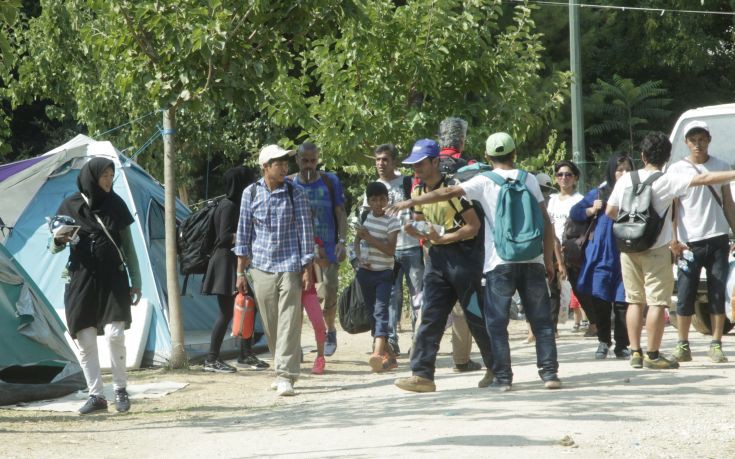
445 213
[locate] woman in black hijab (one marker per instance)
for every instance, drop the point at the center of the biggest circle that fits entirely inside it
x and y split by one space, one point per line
98 292
220 277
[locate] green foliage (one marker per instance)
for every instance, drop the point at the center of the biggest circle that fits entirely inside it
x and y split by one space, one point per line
553 152
346 75
622 111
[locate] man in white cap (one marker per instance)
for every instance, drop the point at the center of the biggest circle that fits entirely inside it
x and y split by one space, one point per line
275 244
704 216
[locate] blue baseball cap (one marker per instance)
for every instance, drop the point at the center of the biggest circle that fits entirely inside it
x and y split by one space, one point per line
422 149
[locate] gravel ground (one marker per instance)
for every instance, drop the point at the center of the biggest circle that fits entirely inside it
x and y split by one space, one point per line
605 409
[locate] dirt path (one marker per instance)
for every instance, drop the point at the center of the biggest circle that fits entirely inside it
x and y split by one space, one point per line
606 409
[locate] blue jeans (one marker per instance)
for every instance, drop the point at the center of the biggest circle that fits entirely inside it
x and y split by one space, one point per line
712 255
376 286
409 265
452 274
529 279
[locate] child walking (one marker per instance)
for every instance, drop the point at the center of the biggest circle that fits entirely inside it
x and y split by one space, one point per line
310 302
375 245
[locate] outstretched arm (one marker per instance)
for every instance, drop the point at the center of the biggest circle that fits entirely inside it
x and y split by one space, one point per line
438 195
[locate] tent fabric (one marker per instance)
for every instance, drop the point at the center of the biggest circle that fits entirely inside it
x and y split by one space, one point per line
36 192
36 362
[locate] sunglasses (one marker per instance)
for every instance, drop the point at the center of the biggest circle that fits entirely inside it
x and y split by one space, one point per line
564 174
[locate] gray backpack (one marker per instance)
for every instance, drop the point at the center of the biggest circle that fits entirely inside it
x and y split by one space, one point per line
638 224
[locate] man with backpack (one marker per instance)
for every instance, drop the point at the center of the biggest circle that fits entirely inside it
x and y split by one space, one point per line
703 219
452 136
640 206
409 260
274 242
327 201
519 244
452 270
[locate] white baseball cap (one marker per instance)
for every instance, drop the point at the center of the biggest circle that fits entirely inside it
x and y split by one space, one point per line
270 152
696 124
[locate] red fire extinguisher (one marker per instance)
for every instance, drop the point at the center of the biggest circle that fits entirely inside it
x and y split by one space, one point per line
243 319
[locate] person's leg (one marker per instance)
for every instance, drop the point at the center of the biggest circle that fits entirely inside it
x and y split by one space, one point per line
328 292
226 310
383 286
634 321
532 287
267 296
659 285
687 284
413 265
439 297
89 360
395 306
461 337
603 311
471 301
115 337
717 272
500 285
288 345
635 295
621 331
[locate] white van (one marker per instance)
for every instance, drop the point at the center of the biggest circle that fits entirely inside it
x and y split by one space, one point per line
721 122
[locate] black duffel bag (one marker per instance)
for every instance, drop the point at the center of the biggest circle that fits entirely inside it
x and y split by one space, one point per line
354 316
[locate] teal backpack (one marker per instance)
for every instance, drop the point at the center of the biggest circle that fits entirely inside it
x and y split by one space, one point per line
519 225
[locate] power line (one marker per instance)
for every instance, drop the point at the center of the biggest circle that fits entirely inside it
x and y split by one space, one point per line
126 124
624 8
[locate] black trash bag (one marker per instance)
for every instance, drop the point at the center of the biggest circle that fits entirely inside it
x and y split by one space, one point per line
354 315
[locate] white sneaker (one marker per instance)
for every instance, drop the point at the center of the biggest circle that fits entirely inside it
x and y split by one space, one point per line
285 389
274 385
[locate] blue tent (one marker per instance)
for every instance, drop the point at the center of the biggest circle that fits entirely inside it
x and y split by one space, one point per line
33 189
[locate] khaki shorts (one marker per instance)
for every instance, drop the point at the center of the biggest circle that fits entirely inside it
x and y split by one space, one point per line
648 277
328 285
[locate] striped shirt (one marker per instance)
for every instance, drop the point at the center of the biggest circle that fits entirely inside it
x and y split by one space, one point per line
274 232
379 228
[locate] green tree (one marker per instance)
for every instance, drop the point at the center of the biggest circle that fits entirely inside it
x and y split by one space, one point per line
348 75
620 112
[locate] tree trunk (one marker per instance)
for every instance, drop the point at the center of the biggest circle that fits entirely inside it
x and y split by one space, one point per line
178 354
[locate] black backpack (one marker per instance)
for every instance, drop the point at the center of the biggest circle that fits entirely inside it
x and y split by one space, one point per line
449 164
638 224
575 237
354 315
196 238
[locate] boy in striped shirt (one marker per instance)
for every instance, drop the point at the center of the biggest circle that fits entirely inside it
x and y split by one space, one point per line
375 273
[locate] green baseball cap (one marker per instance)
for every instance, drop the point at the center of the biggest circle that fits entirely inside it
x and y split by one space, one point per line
499 144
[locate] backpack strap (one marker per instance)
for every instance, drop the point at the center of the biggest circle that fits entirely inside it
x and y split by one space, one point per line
494 177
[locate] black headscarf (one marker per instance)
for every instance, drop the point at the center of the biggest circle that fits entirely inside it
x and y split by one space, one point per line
236 179
108 206
612 167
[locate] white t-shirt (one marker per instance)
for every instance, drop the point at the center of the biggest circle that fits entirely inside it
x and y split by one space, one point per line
559 211
395 194
483 190
665 189
700 217
379 228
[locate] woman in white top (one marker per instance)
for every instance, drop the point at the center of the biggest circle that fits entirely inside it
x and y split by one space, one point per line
567 175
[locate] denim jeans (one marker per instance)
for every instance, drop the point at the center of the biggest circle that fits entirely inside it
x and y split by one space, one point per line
452 274
712 255
409 265
529 279
376 286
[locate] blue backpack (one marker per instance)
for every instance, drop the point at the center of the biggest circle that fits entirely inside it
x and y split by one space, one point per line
519 225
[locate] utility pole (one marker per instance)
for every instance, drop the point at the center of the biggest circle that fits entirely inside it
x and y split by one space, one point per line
575 63
176 328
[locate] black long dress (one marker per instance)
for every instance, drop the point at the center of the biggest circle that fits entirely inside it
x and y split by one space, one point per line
98 291
220 277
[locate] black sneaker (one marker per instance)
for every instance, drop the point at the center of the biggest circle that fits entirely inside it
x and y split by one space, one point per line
465 367
94 403
122 401
252 362
602 351
218 366
394 349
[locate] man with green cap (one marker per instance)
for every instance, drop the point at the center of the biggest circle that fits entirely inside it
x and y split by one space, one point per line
504 277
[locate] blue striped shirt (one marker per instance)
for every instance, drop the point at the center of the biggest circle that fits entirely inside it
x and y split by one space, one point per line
276 235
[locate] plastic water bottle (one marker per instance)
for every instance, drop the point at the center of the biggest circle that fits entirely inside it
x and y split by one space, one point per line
686 257
364 251
422 227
